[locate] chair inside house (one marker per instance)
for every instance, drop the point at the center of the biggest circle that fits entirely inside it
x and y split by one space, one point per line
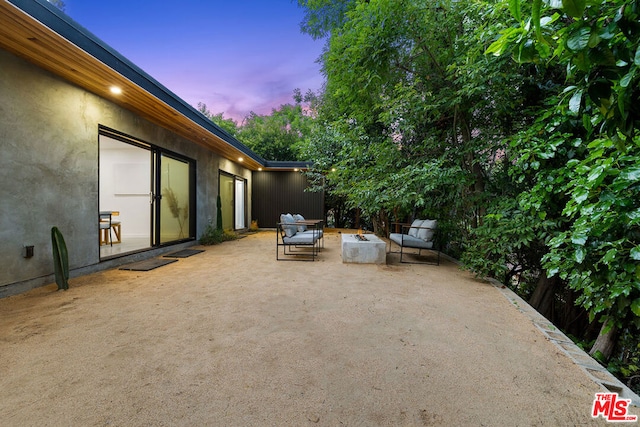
109 227
116 227
105 228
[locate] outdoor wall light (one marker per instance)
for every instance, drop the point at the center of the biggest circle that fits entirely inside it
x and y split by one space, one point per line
240 159
296 170
259 169
115 90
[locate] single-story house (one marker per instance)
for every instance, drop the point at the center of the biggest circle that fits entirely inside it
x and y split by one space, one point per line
84 131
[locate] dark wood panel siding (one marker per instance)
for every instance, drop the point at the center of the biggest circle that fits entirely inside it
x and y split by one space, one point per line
274 193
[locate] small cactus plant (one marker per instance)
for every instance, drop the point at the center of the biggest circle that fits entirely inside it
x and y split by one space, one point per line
60 259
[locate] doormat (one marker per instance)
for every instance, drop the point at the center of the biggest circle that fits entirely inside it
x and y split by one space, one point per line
147 265
184 253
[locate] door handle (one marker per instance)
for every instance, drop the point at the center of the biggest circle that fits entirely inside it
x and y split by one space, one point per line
153 197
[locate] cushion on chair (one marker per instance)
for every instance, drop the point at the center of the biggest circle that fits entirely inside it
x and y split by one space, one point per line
299 217
289 230
427 233
407 241
314 232
300 239
413 231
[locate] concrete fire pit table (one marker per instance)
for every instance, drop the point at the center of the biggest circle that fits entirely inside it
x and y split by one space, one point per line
370 251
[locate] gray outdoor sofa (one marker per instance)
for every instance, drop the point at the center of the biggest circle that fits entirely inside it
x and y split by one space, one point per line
420 234
300 239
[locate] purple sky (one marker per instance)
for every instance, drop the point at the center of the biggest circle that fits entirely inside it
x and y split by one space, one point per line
236 56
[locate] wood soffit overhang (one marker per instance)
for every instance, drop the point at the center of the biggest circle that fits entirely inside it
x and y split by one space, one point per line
28 38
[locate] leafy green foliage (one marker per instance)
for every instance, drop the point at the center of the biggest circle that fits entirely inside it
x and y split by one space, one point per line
214 236
323 16
419 109
597 253
508 245
598 44
627 366
276 136
228 125
585 149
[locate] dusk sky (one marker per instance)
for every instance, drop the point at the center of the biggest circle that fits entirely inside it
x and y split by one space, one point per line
235 56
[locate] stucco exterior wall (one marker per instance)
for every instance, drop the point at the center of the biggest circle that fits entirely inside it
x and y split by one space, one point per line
49 169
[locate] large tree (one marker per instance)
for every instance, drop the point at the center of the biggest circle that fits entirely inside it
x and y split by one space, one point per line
277 136
227 124
421 111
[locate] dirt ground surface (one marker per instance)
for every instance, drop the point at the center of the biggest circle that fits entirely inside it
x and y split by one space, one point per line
232 337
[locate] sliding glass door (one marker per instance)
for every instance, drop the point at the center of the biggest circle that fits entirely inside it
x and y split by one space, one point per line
233 198
149 192
240 203
175 203
227 199
125 176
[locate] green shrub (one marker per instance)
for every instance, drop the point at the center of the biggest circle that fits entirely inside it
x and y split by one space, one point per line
214 236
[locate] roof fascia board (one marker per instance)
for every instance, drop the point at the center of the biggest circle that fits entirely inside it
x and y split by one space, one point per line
60 23
286 165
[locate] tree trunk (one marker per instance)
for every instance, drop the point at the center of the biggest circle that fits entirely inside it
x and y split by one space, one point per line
606 341
543 296
379 220
478 187
573 318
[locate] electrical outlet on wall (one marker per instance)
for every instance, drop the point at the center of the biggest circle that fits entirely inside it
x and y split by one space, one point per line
27 251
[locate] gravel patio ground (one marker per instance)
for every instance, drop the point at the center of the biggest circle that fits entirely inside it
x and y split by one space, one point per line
232 337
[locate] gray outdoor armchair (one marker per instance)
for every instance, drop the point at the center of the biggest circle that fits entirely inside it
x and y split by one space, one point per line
299 238
421 235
